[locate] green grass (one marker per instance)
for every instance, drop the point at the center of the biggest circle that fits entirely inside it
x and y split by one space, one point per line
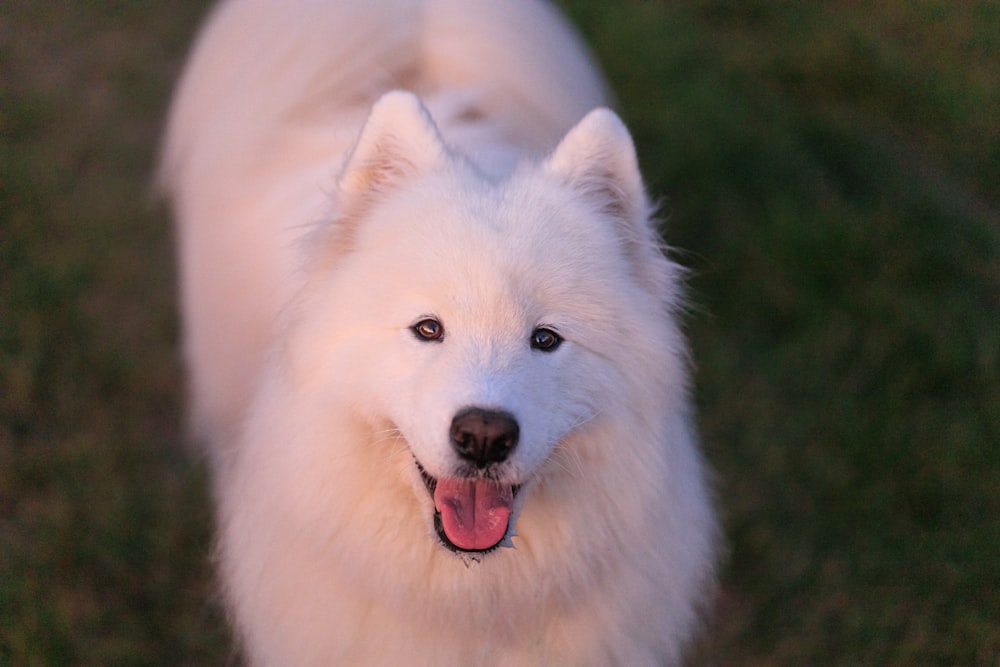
830 172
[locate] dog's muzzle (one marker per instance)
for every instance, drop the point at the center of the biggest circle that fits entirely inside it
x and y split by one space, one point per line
473 511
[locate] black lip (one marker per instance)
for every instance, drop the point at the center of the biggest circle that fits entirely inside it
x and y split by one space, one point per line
431 484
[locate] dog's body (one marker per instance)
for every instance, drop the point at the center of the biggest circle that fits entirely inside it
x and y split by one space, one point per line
418 337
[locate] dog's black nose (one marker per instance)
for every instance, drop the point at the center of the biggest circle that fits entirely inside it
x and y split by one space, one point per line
484 436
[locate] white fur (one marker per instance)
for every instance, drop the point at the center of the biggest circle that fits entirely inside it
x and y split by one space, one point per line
318 225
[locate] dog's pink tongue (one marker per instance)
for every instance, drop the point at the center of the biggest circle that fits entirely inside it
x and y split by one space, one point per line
474 512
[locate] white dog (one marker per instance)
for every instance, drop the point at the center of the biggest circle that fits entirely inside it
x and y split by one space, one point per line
432 343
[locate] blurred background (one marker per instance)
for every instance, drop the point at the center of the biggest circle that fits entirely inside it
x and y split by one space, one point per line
830 172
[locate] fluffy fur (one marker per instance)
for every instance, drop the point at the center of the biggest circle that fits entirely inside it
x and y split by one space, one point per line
360 267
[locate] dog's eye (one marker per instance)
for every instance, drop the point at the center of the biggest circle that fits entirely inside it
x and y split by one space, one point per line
545 340
428 329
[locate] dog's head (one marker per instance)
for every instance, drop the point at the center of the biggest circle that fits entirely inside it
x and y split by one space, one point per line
484 321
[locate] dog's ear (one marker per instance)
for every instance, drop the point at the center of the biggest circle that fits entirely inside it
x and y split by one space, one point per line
398 141
597 159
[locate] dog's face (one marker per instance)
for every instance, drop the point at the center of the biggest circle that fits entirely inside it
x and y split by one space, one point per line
484 318
485 366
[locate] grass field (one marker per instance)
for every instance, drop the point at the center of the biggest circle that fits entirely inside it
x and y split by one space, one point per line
830 172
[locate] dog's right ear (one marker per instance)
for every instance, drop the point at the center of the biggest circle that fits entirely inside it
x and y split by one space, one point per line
398 141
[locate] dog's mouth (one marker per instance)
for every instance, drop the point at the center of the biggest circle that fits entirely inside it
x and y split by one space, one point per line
471 514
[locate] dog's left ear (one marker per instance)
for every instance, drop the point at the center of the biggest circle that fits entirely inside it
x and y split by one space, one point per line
597 159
